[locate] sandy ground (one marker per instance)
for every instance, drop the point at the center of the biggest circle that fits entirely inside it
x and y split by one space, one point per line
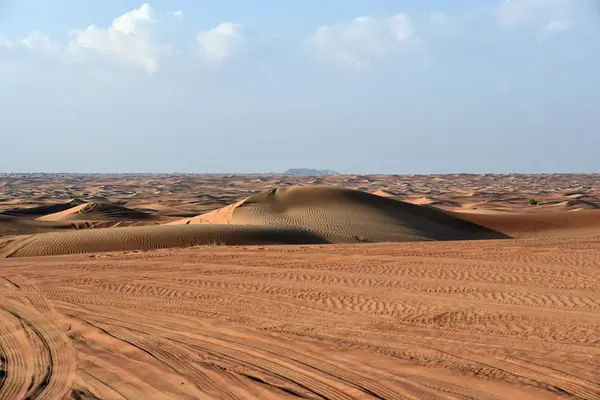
510 319
442 317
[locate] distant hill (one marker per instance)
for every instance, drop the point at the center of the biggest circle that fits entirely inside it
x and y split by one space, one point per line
310 171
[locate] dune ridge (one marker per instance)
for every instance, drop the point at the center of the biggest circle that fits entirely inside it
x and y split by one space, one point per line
97 211
150 237
42 210
580 222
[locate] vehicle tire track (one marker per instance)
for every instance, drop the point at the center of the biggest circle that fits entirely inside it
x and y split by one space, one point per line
45 359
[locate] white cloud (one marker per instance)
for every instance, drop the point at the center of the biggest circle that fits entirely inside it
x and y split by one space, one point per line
550 15
358 41
36 41
177 14
129 39
221 42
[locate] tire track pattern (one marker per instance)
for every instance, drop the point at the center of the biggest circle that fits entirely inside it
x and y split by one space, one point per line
419 321
37 359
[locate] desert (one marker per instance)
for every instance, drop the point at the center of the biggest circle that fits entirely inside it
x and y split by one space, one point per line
296 286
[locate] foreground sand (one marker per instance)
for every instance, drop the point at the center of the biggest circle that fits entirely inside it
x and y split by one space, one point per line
504 319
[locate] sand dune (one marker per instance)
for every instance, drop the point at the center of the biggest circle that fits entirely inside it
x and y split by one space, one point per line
385 193
10 225
149 237
501 319
578 204
158 207
294 215
430 201
42 210
97 211
522 225
345 216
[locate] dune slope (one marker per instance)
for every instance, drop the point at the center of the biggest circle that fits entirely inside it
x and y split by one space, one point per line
296 215
97 211
39 211
517 225
345 216
149 237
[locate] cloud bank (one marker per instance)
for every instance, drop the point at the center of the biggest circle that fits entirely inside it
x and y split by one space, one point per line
134 38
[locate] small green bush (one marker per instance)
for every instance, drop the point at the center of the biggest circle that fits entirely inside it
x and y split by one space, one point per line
533 202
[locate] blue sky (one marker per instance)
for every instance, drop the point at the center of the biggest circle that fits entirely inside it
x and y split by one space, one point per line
376 86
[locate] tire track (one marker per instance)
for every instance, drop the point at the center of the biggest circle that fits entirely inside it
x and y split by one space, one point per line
51 361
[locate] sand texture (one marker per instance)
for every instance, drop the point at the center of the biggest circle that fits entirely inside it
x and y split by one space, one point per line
508 319
97 211
148 238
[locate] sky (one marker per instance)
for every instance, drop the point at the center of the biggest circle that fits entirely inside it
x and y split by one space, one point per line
357 86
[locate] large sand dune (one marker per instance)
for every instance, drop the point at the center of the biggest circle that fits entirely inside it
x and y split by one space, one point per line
298 215
345 216
508 319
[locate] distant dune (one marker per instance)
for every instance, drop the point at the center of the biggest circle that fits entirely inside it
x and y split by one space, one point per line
39 211
385 193
310 171
97 211
549 224
290 215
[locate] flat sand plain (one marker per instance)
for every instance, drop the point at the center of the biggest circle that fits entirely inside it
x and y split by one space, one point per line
517 317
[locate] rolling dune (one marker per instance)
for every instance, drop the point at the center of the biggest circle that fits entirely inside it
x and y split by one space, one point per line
39 211
296 215
523 225
97 211
345 216
148 238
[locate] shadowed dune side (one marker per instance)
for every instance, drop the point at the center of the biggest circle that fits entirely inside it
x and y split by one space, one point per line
98 211
346 216
10 225
148 238
39 211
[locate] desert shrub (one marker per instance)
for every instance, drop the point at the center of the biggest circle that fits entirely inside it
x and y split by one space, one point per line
533 202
